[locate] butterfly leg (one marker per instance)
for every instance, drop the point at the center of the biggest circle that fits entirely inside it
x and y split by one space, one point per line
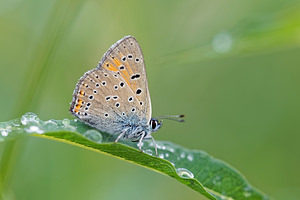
155 146
140 141
121 135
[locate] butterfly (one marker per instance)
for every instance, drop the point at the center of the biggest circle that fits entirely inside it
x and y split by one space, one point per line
114 97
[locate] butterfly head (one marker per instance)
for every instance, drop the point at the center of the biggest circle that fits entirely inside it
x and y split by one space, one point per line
154 124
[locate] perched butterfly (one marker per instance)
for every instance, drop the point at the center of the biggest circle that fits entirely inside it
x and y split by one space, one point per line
114 97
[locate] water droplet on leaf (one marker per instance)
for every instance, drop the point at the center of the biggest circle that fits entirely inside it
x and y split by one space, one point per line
184 173
93 135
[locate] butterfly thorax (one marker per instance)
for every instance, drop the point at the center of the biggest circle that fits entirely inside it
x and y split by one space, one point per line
134 129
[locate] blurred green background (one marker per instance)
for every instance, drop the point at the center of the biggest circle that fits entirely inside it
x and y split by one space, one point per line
231 66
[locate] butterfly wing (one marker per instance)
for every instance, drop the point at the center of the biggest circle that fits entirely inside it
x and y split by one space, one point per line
116 92
126 57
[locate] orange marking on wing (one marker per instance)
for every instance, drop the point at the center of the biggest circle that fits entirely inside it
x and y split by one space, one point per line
128 68
127 81
82 93
125 75
78 106
132 85
110 67
76 111
117 62
80 101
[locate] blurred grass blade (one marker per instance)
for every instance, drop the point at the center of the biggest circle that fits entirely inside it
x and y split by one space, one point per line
58 25
198 170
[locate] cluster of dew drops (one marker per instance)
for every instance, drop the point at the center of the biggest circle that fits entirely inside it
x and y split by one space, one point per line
32 124
174 154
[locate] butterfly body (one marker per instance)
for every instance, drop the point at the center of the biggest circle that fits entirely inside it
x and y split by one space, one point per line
114 97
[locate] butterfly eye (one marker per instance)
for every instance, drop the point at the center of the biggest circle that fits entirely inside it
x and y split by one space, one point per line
153 124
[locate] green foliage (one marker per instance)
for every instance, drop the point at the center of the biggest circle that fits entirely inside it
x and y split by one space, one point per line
198 170
231 66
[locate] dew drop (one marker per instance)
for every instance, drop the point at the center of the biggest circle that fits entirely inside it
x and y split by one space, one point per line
66 122
184 173
140 144
50 125
4 133
15 122
182 155
171 150
222 42
216 180
93 135
224 196
67 126
149 152
247 192
190 157
34 129
29 117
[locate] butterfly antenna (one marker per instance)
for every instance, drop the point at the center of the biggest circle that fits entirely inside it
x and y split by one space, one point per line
172 117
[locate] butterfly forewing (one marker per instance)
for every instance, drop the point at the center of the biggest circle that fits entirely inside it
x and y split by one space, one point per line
115 91
126 58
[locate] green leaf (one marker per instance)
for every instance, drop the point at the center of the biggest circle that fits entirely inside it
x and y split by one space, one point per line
198 170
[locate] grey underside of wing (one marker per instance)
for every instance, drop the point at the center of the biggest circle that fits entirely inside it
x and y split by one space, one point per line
108 90
117 51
